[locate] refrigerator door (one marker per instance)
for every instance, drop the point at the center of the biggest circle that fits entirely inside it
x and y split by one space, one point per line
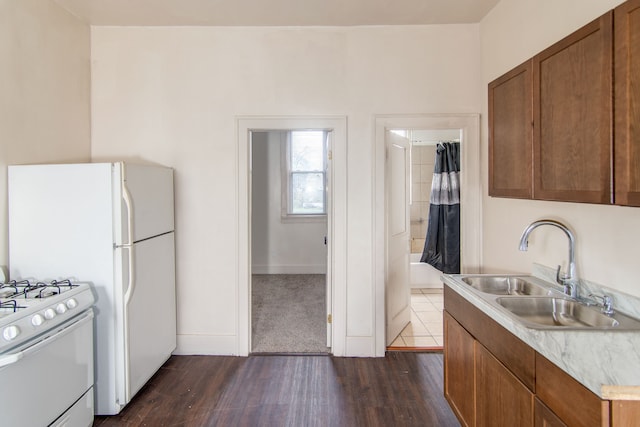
149 190
145 265
149 309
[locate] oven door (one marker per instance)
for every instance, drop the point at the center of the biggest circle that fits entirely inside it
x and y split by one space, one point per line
43 379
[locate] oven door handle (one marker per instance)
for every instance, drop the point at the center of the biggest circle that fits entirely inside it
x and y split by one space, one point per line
10 359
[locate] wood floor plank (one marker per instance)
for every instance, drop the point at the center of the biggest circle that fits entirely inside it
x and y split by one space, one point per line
401 389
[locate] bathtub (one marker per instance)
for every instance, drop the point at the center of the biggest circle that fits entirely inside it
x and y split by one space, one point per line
423 275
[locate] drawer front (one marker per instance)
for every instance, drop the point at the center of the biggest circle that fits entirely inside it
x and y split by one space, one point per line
573 403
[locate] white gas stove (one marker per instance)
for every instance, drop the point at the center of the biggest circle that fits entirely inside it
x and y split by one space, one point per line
46 352
28 309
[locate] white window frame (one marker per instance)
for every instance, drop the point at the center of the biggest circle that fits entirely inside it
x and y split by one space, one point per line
287 173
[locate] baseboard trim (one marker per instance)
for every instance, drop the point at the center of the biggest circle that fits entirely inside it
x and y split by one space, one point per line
289 269
207 345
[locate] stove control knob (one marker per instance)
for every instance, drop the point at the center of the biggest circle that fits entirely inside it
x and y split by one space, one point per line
72 303
10 332
61 308
37 320
49 313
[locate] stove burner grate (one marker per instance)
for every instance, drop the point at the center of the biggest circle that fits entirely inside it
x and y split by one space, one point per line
25 289
11 305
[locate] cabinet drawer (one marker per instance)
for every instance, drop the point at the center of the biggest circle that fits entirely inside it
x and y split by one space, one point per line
573 403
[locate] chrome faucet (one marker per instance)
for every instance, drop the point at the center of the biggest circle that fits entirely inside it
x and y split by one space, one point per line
607 303
569 280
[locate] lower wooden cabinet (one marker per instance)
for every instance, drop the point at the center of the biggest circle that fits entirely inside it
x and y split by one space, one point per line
625 413
501 399
479 388
491 388
459 385
544 417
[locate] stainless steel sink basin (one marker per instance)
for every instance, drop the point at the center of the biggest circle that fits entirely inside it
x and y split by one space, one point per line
538 304
505 285
559 312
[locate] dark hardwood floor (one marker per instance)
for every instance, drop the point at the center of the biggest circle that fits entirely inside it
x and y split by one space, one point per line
402 389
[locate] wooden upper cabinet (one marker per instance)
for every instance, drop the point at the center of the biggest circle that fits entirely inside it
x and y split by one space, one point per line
572 114
511 134
627 103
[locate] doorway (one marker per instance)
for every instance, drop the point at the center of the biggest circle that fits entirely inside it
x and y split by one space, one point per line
289 224
334 320
423 326
467 125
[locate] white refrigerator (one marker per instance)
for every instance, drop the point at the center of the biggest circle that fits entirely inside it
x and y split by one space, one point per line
111 224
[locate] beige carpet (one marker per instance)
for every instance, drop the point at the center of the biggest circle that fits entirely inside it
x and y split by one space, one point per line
288 313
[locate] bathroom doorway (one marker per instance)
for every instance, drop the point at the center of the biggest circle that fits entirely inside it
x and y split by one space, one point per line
424 329
467 127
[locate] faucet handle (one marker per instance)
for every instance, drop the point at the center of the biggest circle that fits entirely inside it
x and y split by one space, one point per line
569 285
607 304
560 278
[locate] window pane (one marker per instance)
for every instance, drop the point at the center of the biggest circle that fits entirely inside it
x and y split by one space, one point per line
307 151
307 193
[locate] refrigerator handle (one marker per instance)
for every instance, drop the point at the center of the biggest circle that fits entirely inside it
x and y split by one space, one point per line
126 196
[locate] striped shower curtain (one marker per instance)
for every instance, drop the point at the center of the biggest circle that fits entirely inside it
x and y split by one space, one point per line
442 246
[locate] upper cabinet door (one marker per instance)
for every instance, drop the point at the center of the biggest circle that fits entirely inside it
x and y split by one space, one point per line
511 134
627 103
572 98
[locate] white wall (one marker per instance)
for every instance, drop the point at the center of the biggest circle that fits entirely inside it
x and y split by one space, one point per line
277 246
171 96
607 236
44 91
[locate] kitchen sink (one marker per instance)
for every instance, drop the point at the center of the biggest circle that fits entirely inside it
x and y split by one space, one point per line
505 285
552 312
538 304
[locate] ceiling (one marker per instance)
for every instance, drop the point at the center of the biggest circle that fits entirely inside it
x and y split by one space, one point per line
277 12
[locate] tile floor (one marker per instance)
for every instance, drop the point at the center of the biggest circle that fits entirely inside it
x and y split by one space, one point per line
425 329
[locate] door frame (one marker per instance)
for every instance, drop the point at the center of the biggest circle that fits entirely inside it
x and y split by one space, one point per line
337 223
470 199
